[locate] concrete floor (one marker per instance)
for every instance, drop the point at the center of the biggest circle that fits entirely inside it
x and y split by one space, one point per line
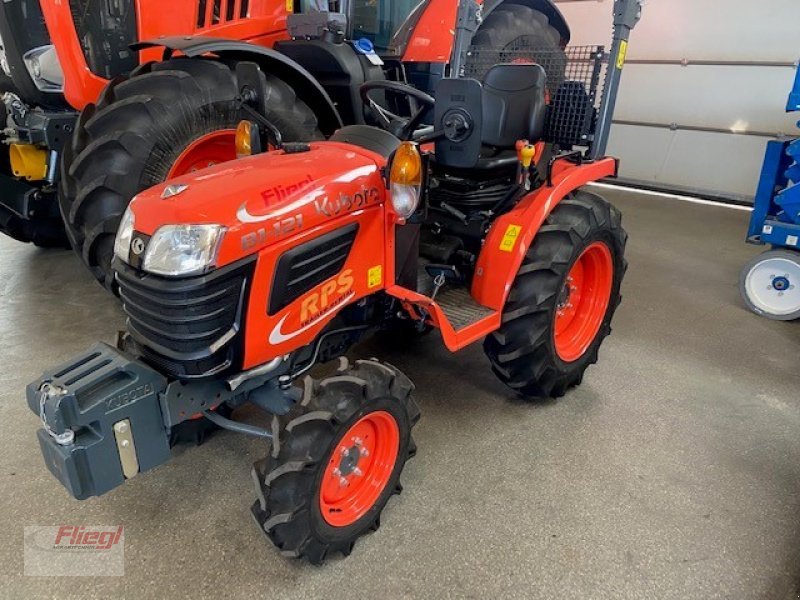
673 472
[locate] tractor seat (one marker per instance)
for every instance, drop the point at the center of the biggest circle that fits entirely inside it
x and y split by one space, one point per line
372 138
511 105
514 105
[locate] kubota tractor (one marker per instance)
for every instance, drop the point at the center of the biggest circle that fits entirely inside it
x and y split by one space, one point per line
462 212
170 106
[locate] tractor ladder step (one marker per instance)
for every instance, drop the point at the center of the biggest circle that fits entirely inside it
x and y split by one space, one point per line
460 307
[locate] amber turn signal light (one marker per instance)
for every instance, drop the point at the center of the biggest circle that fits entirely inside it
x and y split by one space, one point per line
248 139
405 179
407 165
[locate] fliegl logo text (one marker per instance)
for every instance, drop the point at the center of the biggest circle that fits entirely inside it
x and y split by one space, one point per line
74 550
279 192
71 537
345 203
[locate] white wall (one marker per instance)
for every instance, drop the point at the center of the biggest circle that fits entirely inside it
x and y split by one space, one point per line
734 98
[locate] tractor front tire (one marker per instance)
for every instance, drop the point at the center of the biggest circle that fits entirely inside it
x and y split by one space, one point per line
335 460
561 303
165 120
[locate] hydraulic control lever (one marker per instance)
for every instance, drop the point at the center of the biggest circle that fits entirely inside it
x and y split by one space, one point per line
525 154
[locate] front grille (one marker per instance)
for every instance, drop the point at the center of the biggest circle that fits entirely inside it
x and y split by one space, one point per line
214 12
303 267
189 327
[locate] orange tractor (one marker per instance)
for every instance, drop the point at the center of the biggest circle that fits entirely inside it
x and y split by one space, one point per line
171 109
461 211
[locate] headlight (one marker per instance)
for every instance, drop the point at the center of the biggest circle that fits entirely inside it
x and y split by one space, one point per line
44 68
405 199
122 244
183 249
3 60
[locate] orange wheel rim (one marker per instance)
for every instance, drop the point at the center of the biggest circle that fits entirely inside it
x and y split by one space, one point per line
207 150
583 302
359 469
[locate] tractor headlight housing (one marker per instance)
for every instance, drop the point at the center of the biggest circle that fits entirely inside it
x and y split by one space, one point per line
178 250
405 179
45 69
122 243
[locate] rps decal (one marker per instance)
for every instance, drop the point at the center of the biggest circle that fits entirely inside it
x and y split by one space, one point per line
317 305
344 203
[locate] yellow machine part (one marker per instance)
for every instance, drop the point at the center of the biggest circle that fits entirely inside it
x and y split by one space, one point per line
28 161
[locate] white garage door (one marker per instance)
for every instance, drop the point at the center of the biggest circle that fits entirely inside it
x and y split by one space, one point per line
704 89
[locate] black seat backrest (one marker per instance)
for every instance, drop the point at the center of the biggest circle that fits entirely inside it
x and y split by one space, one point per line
514 105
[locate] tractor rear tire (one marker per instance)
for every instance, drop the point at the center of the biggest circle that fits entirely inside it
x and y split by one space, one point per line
131 139
545 342
501 33
335 460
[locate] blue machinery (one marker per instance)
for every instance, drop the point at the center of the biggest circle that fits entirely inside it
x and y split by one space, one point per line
770 283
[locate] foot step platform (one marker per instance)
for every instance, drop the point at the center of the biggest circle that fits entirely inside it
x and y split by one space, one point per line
460 307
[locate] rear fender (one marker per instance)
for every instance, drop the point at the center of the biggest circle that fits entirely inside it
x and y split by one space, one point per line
304 84
511 234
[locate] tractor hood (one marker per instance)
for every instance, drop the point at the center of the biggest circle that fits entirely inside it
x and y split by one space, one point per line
265 198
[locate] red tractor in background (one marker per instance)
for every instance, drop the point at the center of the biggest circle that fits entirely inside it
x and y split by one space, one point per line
56 59
170 106
462 211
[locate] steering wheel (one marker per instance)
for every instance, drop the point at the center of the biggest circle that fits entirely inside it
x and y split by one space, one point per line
402 127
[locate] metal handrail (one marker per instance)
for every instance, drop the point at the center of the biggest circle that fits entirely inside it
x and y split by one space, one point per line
704 129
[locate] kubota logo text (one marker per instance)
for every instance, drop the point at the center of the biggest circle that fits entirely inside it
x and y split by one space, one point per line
345 203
